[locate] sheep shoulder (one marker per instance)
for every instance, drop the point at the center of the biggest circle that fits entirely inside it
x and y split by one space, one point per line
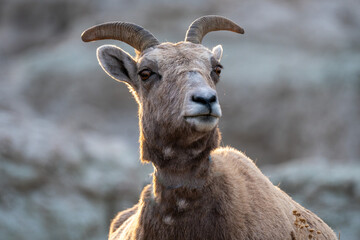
259 206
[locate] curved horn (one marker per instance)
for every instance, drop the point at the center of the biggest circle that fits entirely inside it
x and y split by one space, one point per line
132 34
201 26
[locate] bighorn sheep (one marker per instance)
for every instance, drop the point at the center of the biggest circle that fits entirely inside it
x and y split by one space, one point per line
199 190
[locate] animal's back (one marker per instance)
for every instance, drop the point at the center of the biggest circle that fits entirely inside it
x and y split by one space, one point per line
261 209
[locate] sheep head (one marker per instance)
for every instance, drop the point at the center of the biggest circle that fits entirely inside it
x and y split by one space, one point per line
173 83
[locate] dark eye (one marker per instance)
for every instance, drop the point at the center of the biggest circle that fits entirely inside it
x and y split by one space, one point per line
145 74
217 70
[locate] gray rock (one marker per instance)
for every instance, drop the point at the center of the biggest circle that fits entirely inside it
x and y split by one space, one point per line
61 185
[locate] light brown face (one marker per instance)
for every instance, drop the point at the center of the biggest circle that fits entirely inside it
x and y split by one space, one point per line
176 86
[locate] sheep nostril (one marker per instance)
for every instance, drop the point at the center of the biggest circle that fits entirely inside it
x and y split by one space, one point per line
212 99
199 99
204 100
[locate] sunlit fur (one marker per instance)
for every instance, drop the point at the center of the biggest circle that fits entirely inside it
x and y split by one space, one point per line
162 124
199 190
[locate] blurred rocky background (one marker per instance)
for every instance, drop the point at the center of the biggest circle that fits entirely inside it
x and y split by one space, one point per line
290 94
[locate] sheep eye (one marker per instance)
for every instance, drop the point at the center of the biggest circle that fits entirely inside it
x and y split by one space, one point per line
217 70
145 74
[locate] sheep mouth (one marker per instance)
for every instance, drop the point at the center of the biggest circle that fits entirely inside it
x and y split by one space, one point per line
202 122
203 116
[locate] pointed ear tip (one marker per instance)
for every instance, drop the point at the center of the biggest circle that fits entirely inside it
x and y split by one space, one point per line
103 48
218 47
99 50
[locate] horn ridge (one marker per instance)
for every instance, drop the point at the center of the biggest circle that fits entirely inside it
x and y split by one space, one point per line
132 34
203 25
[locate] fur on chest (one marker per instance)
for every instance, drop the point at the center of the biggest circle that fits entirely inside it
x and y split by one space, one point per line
185 214
202 222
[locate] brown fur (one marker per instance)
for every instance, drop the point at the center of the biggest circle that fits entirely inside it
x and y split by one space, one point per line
193 196
236 202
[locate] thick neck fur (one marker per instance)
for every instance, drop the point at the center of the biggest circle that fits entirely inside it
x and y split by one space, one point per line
178 161
183 188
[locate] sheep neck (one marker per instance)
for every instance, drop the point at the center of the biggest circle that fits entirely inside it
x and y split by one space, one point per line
194 179
181 166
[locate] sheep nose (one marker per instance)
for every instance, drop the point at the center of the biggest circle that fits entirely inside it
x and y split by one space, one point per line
204 100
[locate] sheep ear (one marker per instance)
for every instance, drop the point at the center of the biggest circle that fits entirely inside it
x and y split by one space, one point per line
217 51
118 64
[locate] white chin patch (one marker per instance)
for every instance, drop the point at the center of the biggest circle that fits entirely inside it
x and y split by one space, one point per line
203 123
